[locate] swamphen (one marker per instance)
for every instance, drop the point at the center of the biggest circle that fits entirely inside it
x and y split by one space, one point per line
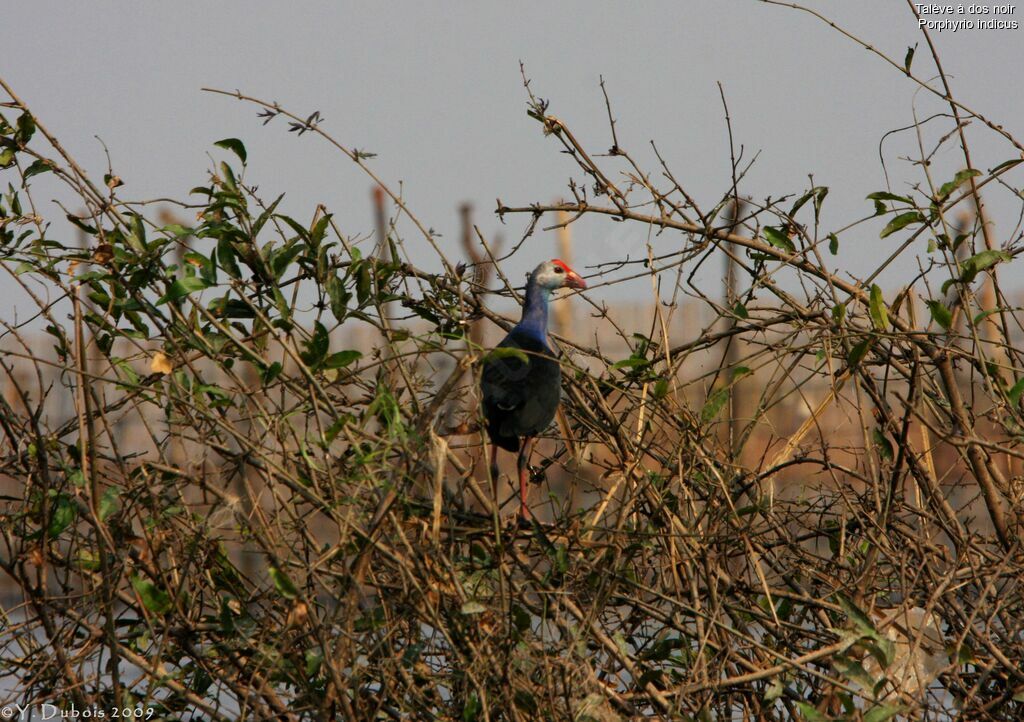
521 391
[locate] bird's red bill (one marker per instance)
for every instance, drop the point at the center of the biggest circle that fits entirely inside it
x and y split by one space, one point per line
572 279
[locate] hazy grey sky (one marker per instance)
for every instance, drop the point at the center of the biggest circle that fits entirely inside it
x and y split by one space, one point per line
434 89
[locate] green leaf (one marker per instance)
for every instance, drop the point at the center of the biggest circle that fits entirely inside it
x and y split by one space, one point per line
819 199
839 313
631 363
860 620
858 352
282 583
231 308
338 296
235 146
153 598
110 502
1015 391
561 558
296 226
319 230
818 193
521 619
504 352
226 257
281 303
176 230
940 314
980 261
740 311
314 659
316 347
833 244
1006 164
778 239
883 444
88 560
882 713
137 238
887 196
964 653
909 58
39 166
958 180
26 128
280 259
879 313
271 372
809 713
341 359
774 690
182 287
800 202
264 217
713 406
901 221
231 198
978 318
883 649
363 283
854 672
207 269
62 515
472 708
79 223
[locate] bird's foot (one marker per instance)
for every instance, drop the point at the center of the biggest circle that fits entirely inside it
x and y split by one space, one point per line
525 517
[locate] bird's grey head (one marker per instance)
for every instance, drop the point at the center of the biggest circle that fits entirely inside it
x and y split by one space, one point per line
556 274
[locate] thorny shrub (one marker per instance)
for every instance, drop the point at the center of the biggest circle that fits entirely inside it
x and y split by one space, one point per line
216 505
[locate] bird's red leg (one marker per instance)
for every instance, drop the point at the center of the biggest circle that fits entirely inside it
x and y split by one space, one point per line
524 471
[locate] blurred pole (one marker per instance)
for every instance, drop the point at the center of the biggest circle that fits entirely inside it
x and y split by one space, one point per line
990 331
380 220
481 272
382 251
738 406
963 225
563 311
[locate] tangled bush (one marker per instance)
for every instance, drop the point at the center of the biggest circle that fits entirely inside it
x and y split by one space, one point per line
243 478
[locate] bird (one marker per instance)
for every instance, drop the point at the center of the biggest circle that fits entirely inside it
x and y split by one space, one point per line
522 387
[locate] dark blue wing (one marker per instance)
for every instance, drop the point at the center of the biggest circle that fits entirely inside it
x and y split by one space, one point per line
520 392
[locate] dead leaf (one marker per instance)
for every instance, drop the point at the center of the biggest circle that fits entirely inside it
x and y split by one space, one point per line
160 364
103 253
297 616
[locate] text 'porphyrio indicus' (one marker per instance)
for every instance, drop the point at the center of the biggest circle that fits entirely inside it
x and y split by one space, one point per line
521 391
